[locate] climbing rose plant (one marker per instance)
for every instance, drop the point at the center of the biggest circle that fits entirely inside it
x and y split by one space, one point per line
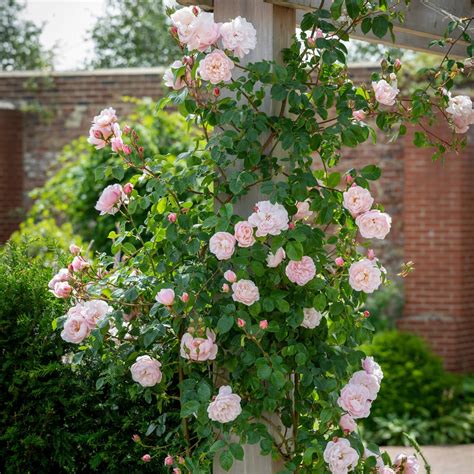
242 324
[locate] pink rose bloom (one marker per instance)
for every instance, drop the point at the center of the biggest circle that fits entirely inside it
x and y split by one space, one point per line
230 276
93 311
146 371
98 137
269 219
169 460
374 224
62 275
369 381
222 245
355 400
340 456
216 67
359 115
273 260
225 407
62 289
78 264
245 292
198 348
243 233
365 276
385 470
183 19
406 464
202 32
312 318
347 423
75 329
263 324
371 367
385 93
301 272
357 200
169 79
303 213
461 111
110 200
116 142
105 118
165 296
239 35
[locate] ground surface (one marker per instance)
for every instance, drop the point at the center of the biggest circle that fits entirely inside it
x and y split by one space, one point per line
443 459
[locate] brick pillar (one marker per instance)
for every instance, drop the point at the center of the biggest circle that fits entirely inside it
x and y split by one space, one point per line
11 171
439 238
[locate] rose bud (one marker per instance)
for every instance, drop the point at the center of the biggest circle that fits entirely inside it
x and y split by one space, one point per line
263 324
217 92
136 438
126 149
172 217
370 254
241 323
349 179
291 225
225 288
169 460
311 42
126 130
184 297
397 64
128 188
366 314
146 458
230 276
339 261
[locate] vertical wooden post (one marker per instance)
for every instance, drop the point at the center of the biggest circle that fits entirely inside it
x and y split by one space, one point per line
275 27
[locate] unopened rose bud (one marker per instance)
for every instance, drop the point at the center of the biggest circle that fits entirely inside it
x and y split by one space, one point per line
195 11
225 288
128 188
397 64
349 179
126 149
384 63
188 60
136 438
370 254
74 249
291 225
126 130
241 323
146 458
176 470
184 297
339 261
311 42
366 314
181 460
217 92
230 276
169 460
173 31
172 217
263 324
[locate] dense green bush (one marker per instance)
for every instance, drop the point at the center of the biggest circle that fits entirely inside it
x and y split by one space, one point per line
417 395
64 206
52 418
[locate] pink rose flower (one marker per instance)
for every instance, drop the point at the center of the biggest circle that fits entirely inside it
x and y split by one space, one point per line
312 318
116 142
146 371
230 276
365 276
238 35
198 348
243 233
340 456
74 249
216 67
359 115
222 245
245 292
62 289
461 111
79 263
385 93
357 200
225 407
263 324
301 272
374 224
347 424
94 311
202 32
111 199
183 20
273 260
62 275
355 400
75 329
339 261
371 367
303 213
165 296
169 79
369 381
105 118
269 219
98 137
385 470
406 464
169 460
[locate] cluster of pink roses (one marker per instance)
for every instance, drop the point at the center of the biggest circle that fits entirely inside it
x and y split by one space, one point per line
105 129
198 31
461 110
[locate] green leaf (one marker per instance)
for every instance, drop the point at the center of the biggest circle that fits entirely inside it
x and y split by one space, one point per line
294 250
226 460
380 25
204 392
352 8
371 172
333 180
366 25
225 323
217 446
188 408
237 451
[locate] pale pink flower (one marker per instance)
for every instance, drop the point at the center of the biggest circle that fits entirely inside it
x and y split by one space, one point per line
406 464
146 458
105 118
374 224
241 322
165 296
169 76
385 470
245 292
74 249
312 318
146 371
225 288
302 271
239 35
184 297
98 137
183 20
94 311
225 407
202 32
116 142
263 324
359 115
216 67
62 275
75 329
365 276
462 112
371 367
169 460
243 233
357 200
111 199
339 261
269 219
347 423
172 217
198 348
230 276
62 289
222 245
340 456
355 400
79 263
384 92
369 381
371 254
303 213
273 260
